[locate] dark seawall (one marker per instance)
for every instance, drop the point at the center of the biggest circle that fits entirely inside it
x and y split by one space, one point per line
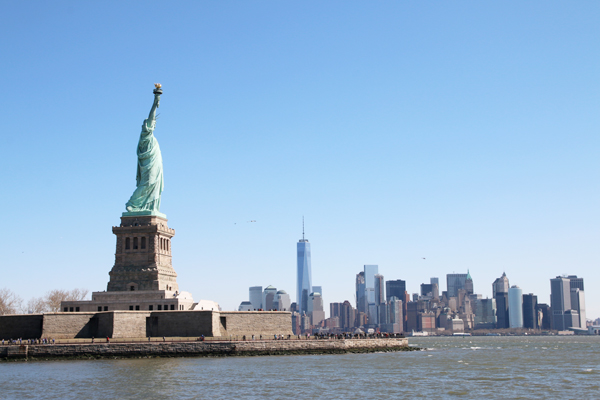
201 349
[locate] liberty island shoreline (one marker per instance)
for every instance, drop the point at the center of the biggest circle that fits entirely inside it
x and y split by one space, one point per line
136 348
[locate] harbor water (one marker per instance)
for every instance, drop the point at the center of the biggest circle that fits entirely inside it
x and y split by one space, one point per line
517 367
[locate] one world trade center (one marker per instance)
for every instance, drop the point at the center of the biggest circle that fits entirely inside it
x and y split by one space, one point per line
304 282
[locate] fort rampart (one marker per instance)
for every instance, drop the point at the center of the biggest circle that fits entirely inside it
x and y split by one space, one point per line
203 348
140 324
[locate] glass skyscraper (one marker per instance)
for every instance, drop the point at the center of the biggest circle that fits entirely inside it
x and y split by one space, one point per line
515 307
304 281
370 272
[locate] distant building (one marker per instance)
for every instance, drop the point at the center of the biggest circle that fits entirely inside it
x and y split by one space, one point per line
426 322
457 325
572 319
500 285
412 323
245 306
575 282
318 289
335 310
485 313
530 311
560 301
500 290
379 289
347 317
304 280
455 282
515 307
395 314
317 315
427 289
283 301
296 323
469 284
395 288
256 297
372 309
578 303
269 298
361 300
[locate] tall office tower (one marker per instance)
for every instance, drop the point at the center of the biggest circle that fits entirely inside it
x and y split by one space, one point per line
256 297
578 304
317 315
469 283
395 288
485 313
382 317
284 302
269 297
515 307
435 280
500 285
455 282
502 311
361 301
318 289
296 319
412 320
304 281
435 291
500 290
560 302
348 316
372 314
572 318
370 272
576 282
335 310
427 289
530 317
379 289
395 313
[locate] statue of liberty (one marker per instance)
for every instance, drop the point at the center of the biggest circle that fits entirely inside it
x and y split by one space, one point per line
145 200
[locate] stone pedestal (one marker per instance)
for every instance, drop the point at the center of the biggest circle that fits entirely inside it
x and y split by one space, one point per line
143 255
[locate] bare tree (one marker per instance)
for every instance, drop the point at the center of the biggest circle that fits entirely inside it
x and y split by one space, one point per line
37 305
54 297
10 303
77 294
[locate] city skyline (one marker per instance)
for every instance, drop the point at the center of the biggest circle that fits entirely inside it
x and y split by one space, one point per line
423 139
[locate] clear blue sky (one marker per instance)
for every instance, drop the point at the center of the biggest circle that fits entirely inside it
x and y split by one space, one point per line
462 132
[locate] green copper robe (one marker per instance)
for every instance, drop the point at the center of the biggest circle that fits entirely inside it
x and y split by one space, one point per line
149 179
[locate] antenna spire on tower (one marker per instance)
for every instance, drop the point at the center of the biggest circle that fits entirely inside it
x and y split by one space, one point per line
303 227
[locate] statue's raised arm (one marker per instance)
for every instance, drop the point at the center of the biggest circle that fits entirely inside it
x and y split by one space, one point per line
157 92
145 200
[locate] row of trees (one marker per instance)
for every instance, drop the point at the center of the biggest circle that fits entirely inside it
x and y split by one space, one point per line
11 303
